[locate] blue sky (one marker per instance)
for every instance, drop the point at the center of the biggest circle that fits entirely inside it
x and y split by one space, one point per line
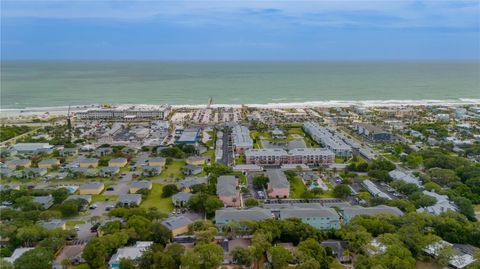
240 30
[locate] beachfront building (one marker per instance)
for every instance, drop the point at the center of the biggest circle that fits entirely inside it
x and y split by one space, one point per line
277 157
132 253
241 139
322 218
328 138
227 215
228 191
278 185
126 113
349 212
372 132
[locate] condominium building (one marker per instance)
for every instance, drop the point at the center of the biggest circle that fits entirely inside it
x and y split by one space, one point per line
308 156
241 139
328 138
126 113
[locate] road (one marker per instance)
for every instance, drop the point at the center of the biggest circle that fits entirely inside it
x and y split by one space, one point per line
227 157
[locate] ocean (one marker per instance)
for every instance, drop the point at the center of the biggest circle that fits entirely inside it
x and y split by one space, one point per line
29 84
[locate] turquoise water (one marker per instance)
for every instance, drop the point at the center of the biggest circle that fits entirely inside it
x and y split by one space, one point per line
46 84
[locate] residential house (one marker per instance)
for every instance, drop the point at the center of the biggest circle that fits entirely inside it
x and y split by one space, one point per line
13 164
181 199
53 224
49 163
118 162
138 185
88 163
177 225
462 256
197 160
83 171
405 176
34 172
322 218
87 198
91 188
68 152
6 172
45 201
133 253
187 183
227 215
17 253
278 185
228 190
349 212
190 170
159 161
442 205
130 200
103 151
109 171
151 171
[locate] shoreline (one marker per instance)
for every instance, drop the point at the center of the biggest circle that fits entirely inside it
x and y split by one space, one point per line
63 110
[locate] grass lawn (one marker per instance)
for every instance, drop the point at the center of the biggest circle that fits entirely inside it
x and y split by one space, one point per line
71 223
155 199
173 170
210 153
297 188
102 198
477 208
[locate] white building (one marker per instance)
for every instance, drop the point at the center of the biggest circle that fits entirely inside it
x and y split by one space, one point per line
241 139
443 204
328 139
126 113
132 253
406 177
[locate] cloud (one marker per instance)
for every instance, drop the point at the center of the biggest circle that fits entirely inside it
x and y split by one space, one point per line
354 13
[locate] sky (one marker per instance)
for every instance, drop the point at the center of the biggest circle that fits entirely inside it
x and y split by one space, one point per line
240 30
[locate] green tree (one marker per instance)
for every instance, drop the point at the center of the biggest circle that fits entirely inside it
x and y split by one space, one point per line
5 265
414 160
280 257
160 234
212 204
342 191
37 258
95 253
250 202
312 249
242 256
169 190
176 251
127 264
141 226
260 181
203 256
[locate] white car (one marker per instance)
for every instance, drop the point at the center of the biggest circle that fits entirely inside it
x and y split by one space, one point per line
77 228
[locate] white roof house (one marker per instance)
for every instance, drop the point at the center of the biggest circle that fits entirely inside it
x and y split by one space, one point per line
406 177
459 260
133 252
17 253
443 204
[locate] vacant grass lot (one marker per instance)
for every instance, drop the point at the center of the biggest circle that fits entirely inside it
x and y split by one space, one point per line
155 199
103 198
297 188
173 170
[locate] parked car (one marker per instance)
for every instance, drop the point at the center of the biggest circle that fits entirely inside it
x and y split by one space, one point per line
110 189
93 206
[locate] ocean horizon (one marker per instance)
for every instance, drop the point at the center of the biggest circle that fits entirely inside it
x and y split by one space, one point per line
40 84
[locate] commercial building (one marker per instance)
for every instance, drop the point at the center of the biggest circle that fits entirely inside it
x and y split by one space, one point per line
278 185
322 218
133 253
126 113
227 190
372 132
277 157
188 136
241 139
328 139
